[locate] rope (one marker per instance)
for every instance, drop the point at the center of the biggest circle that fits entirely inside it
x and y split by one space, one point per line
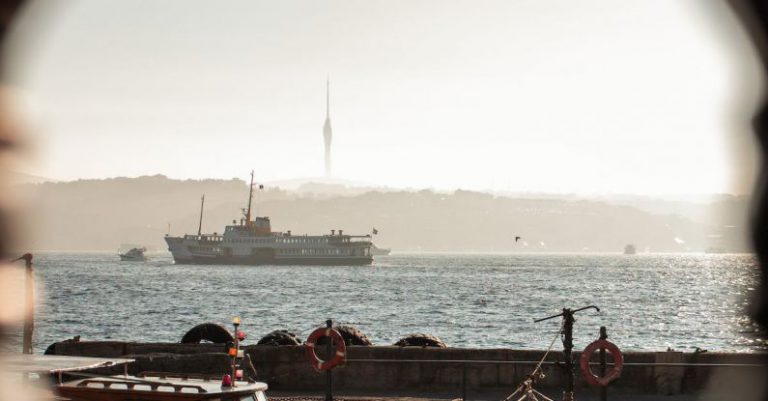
537 369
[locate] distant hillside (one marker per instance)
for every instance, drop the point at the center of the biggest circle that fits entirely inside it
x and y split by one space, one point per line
17 178
102 214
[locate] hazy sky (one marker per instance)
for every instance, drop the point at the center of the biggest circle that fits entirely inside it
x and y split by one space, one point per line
556 96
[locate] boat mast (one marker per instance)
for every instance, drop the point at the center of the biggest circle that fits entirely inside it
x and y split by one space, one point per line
200 224
250 199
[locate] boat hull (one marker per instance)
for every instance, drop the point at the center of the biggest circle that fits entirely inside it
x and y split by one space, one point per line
193 252
255 261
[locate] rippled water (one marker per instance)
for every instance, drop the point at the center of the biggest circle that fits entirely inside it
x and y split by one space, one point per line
648 302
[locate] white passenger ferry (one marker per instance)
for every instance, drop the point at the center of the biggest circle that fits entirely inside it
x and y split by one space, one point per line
252 242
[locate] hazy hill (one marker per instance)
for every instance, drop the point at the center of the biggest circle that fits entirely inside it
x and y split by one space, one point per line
102 214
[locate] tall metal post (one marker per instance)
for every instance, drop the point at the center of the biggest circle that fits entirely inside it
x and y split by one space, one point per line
236 324
570 383
328 374
29 304
463 382
567 335
603 364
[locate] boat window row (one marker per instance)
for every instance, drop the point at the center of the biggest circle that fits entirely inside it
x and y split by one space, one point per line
251 240
302 240
204 249
313 251
273 240
324 251
205 238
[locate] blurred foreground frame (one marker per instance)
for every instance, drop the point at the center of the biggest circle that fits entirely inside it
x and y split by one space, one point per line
753 15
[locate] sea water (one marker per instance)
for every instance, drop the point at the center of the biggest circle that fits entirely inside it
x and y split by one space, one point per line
647 302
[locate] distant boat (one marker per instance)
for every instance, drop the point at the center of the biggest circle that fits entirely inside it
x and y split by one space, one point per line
376 251
134 255
629 249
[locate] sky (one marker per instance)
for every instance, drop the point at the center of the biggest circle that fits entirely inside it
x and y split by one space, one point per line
589 97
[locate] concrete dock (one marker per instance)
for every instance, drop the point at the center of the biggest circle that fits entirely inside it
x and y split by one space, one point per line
446 373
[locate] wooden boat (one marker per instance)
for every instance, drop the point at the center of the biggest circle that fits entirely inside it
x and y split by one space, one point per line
160 387
71 383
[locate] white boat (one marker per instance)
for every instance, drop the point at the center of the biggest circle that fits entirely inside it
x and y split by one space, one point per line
252 242
69 381
376 251
134 254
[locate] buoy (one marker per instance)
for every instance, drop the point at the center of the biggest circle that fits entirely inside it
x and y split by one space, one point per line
339 356
611 375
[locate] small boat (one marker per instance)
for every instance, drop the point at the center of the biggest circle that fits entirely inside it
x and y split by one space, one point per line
155 386
159 387
376 251
134 255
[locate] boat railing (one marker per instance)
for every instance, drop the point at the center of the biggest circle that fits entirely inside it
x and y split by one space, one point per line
349 242
359 238
130 385
182 376
349 238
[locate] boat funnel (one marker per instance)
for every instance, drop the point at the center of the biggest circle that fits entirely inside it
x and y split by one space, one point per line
262 226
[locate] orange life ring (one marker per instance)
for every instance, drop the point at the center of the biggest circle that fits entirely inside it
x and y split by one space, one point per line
611 375
339 357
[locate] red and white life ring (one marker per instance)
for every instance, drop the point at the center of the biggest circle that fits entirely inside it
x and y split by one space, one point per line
612 374
339 356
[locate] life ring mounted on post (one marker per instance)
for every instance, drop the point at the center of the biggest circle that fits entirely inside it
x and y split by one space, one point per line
612 374
339 355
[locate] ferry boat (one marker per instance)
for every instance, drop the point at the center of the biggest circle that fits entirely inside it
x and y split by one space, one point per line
252 242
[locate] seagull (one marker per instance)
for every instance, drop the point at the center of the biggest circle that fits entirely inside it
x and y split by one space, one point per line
517 238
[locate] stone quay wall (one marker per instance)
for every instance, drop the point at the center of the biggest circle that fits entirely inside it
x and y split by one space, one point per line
417 369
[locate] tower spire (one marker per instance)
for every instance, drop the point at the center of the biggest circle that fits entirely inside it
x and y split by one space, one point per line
327 131
328 98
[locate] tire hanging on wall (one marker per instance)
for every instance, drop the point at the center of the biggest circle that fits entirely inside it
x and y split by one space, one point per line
209 332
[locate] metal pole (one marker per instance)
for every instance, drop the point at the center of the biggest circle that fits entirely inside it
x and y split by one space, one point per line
567 353
236 323
328 374
603 362
464 382
567 334
29 305
200 224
